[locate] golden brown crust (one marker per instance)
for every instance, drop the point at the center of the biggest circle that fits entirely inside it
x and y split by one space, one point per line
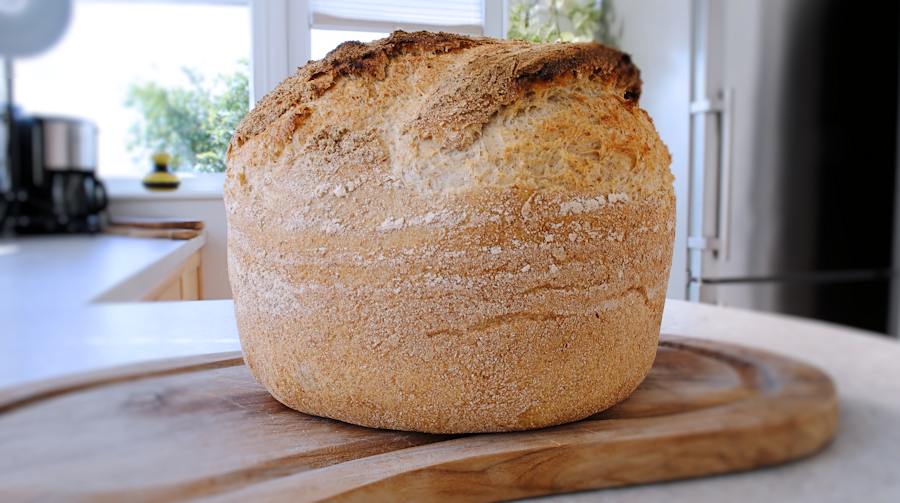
446 234
497 78
470 327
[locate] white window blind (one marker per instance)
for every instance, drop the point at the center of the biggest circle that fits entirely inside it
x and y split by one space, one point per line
462 16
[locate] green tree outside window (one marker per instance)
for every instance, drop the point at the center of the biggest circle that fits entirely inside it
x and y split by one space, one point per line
564 21
192 123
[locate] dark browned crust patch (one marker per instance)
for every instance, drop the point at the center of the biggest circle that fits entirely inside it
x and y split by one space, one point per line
499 74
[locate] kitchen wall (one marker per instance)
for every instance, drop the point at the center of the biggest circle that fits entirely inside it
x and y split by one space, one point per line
657 34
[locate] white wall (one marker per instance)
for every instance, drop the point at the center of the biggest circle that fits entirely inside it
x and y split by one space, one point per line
657 34
208 208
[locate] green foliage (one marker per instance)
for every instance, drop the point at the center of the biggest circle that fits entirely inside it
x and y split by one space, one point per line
563 21
192 123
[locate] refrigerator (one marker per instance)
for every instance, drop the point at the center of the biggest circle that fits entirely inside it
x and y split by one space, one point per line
793 154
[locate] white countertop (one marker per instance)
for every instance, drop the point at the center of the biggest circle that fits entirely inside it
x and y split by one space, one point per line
69 270
51 288
863 463
39 343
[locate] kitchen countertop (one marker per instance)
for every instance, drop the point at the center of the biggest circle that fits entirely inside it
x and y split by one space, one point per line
74 270
40 343
861 464
51 294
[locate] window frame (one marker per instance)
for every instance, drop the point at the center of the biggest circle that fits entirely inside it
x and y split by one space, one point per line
193 186
281 31
281 43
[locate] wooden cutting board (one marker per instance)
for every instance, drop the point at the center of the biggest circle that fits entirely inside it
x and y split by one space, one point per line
200 427
157 223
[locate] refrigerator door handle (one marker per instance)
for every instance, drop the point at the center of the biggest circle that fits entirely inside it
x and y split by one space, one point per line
724 222
723 109
705 106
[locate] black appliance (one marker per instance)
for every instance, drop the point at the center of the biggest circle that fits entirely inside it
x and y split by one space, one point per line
52 186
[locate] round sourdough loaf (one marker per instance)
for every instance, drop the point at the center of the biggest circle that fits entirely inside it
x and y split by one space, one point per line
448 234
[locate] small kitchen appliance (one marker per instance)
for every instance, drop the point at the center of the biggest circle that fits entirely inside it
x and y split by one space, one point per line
53 185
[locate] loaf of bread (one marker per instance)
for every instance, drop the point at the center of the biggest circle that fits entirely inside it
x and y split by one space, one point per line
447 234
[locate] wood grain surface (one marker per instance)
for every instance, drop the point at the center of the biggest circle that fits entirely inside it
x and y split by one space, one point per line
201 428
140 232
156 223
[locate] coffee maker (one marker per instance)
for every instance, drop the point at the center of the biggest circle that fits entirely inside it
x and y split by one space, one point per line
52 183
47 164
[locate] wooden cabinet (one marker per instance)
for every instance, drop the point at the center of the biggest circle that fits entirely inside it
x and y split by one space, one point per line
183 285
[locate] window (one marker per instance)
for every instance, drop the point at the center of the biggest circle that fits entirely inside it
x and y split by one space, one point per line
333 22
133 66
322 41
461 16
121 62
288 35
